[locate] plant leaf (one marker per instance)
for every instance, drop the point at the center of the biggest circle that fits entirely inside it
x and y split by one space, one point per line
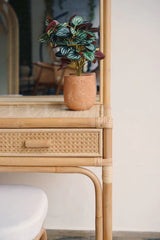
64 50
73 31
52 24
91 34
90 40
73 55
99 55
77 20
81 35
61 42
71 49
85 26
91 47
72 18
62 32
44 38
89 55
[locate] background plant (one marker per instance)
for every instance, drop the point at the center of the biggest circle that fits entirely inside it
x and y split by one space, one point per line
75 40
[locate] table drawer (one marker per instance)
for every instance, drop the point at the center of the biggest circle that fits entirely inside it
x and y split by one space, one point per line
51 142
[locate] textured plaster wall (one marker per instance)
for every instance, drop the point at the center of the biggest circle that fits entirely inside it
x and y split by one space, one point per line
136 112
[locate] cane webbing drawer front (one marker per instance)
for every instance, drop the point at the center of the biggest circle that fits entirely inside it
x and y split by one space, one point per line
51 142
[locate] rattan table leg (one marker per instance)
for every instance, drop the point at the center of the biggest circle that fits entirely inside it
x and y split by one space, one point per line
107 211
107 187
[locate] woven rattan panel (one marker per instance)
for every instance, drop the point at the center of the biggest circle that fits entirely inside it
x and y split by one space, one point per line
63 142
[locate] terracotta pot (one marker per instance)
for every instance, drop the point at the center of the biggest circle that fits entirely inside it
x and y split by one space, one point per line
80 91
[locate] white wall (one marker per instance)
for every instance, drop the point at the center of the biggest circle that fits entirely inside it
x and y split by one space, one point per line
136 151
136 112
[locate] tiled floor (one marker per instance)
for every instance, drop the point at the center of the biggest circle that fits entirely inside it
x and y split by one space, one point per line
89 235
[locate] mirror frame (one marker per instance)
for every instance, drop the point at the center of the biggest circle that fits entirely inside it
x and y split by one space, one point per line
13 62
12 46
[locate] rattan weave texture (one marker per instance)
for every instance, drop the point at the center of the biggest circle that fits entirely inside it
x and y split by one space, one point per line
63 142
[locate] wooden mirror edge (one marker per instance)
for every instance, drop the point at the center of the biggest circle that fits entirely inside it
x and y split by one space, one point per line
107 51
38 100
12 46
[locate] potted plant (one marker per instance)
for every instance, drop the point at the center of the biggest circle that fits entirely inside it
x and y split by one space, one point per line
76 43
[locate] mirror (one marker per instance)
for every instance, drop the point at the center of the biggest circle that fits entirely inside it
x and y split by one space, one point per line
35 57
3 52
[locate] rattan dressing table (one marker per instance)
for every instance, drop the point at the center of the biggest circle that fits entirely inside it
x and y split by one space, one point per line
44 136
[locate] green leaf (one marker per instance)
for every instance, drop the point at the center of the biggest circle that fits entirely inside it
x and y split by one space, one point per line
81 35
72 55
73 31
62 32
44 38
71 49
59 43
77 20
90 40
81 38
91 47
64 50
91 33
64 24
89 56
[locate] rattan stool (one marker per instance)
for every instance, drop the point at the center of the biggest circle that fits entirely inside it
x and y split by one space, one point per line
22 212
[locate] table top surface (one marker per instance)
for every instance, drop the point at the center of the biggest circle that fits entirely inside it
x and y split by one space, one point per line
48 111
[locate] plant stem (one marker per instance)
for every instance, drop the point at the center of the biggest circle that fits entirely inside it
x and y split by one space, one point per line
79 68
79 71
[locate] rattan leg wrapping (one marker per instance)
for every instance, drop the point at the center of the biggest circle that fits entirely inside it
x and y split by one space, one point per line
107 187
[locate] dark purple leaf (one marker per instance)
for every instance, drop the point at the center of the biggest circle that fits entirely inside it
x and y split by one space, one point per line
99 55
64 62
48 20
85 26
94 29
52 24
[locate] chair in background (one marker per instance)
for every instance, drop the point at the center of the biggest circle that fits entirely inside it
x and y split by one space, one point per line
46 75
49 75
23 210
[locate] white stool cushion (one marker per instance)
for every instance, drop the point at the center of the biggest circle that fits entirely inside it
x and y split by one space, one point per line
22 212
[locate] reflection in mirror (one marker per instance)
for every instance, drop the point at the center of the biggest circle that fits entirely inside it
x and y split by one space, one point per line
39 73
3 55
9 48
